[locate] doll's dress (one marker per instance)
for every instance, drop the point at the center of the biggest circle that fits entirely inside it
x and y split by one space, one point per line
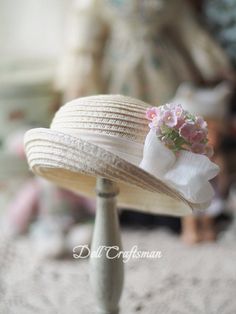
140 60
139 48
150 51
120 47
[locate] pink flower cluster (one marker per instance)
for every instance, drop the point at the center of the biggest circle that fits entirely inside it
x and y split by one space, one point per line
179 129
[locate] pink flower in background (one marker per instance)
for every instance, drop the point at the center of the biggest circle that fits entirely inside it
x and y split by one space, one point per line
169 118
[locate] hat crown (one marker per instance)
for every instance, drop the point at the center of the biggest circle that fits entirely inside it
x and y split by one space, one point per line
116 115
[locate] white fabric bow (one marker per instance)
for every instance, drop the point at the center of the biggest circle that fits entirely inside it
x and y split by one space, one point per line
188 173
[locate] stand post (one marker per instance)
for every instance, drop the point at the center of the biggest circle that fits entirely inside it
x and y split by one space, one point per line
106 269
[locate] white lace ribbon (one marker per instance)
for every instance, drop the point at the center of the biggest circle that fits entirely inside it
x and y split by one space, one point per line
189 173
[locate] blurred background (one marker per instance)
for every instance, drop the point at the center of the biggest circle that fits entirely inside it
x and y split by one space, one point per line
159 51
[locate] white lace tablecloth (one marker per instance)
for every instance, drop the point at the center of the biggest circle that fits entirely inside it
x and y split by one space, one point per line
200 279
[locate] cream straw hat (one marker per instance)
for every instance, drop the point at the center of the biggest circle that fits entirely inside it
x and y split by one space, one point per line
102 136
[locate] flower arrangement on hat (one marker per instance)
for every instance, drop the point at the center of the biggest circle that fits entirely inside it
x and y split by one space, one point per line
176 150
179 130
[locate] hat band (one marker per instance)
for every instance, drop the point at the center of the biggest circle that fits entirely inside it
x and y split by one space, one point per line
126 149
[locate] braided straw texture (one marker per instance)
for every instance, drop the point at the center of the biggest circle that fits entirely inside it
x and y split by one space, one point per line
116 115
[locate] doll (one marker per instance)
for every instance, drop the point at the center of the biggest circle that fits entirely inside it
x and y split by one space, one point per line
212 104
137 48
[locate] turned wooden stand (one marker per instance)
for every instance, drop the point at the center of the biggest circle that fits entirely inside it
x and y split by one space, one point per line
106 271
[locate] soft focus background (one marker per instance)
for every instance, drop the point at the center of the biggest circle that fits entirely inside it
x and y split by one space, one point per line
159 51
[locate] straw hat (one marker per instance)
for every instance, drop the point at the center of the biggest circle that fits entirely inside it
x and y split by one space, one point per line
102 136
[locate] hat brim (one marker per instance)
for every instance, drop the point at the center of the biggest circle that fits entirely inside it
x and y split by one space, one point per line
74 164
